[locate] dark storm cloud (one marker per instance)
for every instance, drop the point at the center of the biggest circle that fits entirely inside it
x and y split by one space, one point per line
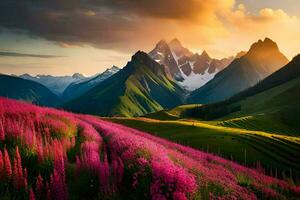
15 54
102 23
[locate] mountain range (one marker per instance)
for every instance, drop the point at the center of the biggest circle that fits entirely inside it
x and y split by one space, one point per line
57 84
262 59
48 90
166 77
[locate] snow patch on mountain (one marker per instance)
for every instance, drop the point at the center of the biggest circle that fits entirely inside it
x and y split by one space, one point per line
99 77
195 81
56 84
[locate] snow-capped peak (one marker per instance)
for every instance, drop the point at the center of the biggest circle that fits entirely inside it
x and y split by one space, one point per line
189 70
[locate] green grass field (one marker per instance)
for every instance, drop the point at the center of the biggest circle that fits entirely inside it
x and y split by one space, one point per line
276 110
172 114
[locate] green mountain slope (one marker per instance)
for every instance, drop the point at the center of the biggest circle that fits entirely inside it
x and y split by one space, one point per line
140 87
27 90
262 59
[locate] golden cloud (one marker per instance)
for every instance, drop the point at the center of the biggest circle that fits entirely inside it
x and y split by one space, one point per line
244 26
130 25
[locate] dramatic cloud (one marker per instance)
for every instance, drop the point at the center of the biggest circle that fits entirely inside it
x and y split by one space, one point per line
277 24
111 23
128 25
15 54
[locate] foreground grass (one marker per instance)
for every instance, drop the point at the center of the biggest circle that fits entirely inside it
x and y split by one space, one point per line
278 153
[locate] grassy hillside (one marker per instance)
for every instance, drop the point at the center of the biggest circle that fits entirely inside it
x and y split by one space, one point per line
139 88
172 114
275 110
26 90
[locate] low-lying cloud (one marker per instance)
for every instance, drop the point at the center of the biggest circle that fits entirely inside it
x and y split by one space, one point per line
15 54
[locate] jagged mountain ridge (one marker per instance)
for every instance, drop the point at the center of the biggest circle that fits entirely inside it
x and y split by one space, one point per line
189 70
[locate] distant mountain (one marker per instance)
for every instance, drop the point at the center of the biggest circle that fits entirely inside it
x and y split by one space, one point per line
141 87
78 88
260 61
78 76
57 84
27 90
189 70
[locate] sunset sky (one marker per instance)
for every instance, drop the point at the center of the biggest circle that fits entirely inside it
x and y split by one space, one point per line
87 36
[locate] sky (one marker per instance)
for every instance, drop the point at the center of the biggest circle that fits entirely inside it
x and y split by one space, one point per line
87 36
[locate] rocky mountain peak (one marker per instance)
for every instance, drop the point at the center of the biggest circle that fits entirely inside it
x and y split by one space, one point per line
205 55
78 76
262 46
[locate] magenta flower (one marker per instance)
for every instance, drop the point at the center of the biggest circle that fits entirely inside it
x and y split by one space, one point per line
31 194
39 186
7 165
2 167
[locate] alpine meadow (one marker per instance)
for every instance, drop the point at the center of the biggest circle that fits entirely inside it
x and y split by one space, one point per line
154 100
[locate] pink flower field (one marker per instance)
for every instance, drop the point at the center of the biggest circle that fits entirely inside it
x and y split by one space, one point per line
52 154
